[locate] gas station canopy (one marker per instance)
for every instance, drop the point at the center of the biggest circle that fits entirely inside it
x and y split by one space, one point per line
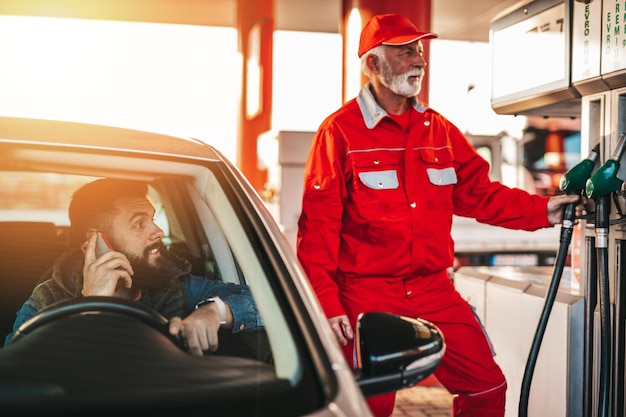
451 19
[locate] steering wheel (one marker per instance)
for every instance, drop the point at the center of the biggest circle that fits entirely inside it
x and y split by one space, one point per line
97 305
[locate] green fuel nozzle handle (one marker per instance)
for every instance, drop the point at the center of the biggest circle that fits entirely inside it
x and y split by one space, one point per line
574 180
573 183
605 181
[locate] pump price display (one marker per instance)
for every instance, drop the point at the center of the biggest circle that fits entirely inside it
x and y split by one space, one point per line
613 36
530 54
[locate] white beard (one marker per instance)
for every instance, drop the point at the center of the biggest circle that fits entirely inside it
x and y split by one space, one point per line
400 84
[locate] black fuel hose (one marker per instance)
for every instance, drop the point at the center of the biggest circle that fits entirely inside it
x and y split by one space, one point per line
565 239
602 221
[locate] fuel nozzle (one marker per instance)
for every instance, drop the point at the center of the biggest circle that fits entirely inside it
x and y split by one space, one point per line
605 180
574 180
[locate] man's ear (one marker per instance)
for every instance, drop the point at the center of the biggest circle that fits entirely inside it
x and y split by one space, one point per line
373 63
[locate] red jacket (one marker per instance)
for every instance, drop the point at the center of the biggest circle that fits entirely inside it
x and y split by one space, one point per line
378 202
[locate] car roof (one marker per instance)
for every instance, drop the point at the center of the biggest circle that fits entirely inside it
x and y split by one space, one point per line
63 133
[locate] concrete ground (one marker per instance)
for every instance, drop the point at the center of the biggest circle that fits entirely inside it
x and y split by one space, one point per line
423 401
428 399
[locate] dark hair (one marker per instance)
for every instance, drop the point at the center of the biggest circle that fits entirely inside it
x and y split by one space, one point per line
93 204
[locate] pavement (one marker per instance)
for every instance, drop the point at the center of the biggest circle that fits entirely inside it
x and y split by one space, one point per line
427 399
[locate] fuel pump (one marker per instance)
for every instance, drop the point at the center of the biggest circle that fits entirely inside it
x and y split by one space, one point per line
599 187
573 182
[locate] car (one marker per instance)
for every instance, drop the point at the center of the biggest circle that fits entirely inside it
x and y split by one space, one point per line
104 355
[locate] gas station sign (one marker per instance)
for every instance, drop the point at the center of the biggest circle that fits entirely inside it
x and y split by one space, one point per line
613 46
587 34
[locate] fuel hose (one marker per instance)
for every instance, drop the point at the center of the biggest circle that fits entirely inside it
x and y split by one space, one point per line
565 238
573 183
603 205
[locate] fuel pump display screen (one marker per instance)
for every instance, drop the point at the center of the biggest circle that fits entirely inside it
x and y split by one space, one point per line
530 52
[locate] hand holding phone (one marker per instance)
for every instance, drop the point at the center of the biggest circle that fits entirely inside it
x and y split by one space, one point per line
104 277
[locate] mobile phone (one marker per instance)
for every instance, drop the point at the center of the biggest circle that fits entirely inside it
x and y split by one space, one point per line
102 244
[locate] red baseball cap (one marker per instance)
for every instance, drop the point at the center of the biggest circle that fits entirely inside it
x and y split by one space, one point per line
389 29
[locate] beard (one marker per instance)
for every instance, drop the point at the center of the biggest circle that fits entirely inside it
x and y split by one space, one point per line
400 84
157 277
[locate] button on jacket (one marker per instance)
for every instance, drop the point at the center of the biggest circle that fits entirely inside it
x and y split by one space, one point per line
378 200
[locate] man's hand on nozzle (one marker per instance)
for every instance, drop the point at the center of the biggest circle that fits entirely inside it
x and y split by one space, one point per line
557 202
342 329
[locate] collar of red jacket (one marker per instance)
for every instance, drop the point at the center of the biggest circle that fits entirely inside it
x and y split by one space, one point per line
371 110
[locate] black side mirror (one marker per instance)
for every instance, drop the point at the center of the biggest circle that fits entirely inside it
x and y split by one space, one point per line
395 352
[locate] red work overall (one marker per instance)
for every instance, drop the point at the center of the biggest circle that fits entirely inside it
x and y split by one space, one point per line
374 232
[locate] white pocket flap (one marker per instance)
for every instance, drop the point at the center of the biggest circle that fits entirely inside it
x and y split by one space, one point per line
445 176
380 180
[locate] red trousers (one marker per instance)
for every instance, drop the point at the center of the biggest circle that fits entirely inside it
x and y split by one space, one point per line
467 368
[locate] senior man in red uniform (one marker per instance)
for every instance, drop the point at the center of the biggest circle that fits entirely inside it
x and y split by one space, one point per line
383 178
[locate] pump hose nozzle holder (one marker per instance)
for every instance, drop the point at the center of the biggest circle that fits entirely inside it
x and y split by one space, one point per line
599 187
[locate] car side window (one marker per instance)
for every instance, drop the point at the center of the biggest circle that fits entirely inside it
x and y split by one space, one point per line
160 215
